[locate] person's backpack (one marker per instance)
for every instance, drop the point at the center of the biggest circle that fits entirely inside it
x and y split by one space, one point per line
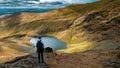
40 45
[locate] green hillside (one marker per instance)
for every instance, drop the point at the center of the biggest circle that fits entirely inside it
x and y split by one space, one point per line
83 27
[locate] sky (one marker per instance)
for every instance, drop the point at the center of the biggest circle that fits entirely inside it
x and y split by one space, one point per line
69 1
15 6
34 3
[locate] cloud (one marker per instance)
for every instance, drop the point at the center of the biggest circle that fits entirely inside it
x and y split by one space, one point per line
3 1
43 1
68 1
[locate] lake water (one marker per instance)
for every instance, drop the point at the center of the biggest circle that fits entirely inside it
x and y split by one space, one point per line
49 41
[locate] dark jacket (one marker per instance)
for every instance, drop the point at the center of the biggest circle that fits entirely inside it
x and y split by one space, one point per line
40 45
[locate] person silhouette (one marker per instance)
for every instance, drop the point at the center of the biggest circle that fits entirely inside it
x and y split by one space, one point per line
40 50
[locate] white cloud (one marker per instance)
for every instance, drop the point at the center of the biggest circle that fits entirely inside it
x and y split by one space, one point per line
42 1
2 1
67 1
50 1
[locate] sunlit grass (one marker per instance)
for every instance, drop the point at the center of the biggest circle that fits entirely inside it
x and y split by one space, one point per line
81 47
28 43
9 52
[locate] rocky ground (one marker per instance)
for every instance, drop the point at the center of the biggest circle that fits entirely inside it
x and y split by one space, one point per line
89 59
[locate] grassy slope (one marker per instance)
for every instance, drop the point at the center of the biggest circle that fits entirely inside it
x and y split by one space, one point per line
9 52
97 24
82 26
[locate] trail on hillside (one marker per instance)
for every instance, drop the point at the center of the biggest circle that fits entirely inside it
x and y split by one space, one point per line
89 59
28 61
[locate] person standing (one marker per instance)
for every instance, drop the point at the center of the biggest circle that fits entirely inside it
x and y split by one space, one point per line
37 43
40 50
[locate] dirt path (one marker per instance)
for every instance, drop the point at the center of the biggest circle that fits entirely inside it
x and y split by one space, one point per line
90 59
28 61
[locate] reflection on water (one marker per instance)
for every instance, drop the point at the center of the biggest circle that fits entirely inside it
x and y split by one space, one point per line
51 42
